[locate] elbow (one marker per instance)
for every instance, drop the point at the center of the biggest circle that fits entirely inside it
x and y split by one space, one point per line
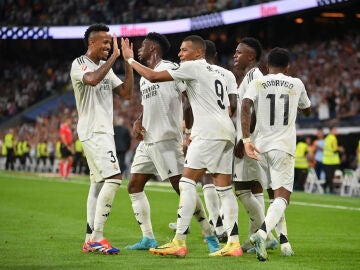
89 79
152 80
92 83
152 77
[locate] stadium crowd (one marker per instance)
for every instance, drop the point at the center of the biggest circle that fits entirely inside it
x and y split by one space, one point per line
334 98
57 12
25 83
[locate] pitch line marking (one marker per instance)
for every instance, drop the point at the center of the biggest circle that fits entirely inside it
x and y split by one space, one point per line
156 187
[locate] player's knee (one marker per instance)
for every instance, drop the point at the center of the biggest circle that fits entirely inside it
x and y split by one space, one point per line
134 187
256 187
245 185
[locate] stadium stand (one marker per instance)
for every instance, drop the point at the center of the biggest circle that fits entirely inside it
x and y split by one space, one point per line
57 12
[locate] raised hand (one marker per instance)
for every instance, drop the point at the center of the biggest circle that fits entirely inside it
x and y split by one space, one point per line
116 50
127 49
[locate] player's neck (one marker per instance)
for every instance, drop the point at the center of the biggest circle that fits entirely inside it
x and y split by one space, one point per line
92 57
154 61
249 67
276 70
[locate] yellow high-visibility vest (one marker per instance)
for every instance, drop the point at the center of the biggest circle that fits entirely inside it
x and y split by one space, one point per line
42 150
4 150
331 154
9 140
25 147
78 146
19 150
301 161
57 151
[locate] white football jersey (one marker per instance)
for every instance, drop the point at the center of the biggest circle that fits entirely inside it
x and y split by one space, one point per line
162 107
94 103
206 91
231 85
277 98
251 75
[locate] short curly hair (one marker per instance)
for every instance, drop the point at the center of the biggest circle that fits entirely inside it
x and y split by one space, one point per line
99 27
279 57
159 39
255 44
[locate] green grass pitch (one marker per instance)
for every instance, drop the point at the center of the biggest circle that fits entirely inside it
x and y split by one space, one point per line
42 225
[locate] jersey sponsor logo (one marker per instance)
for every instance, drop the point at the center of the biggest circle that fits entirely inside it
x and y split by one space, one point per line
105 85
150 91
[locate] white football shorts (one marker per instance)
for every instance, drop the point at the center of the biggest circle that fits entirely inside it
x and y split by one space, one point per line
277 167
164 158
101 157
213 155
245 169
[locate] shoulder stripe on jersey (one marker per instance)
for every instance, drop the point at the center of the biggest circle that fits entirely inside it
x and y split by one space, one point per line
251 75
80 60
170 62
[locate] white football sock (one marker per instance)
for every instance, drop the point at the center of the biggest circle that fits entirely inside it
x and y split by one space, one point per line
187 205
91 207
201 217
230 209
281 229
260 198
103 207
212 202
253 208
275 212
141 208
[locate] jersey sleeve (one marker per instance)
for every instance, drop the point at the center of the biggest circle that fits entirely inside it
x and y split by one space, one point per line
251 91
180 86
304 101
115 80
231 85
78 71
185 71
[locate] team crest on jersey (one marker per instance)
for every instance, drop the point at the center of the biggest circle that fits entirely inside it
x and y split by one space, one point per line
83 67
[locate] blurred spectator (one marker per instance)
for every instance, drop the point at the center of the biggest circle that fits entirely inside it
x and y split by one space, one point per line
318 152
122 139
302 158
331 158
66 147
9 142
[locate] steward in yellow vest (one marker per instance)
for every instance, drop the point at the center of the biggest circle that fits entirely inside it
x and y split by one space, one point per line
301 164
331 158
